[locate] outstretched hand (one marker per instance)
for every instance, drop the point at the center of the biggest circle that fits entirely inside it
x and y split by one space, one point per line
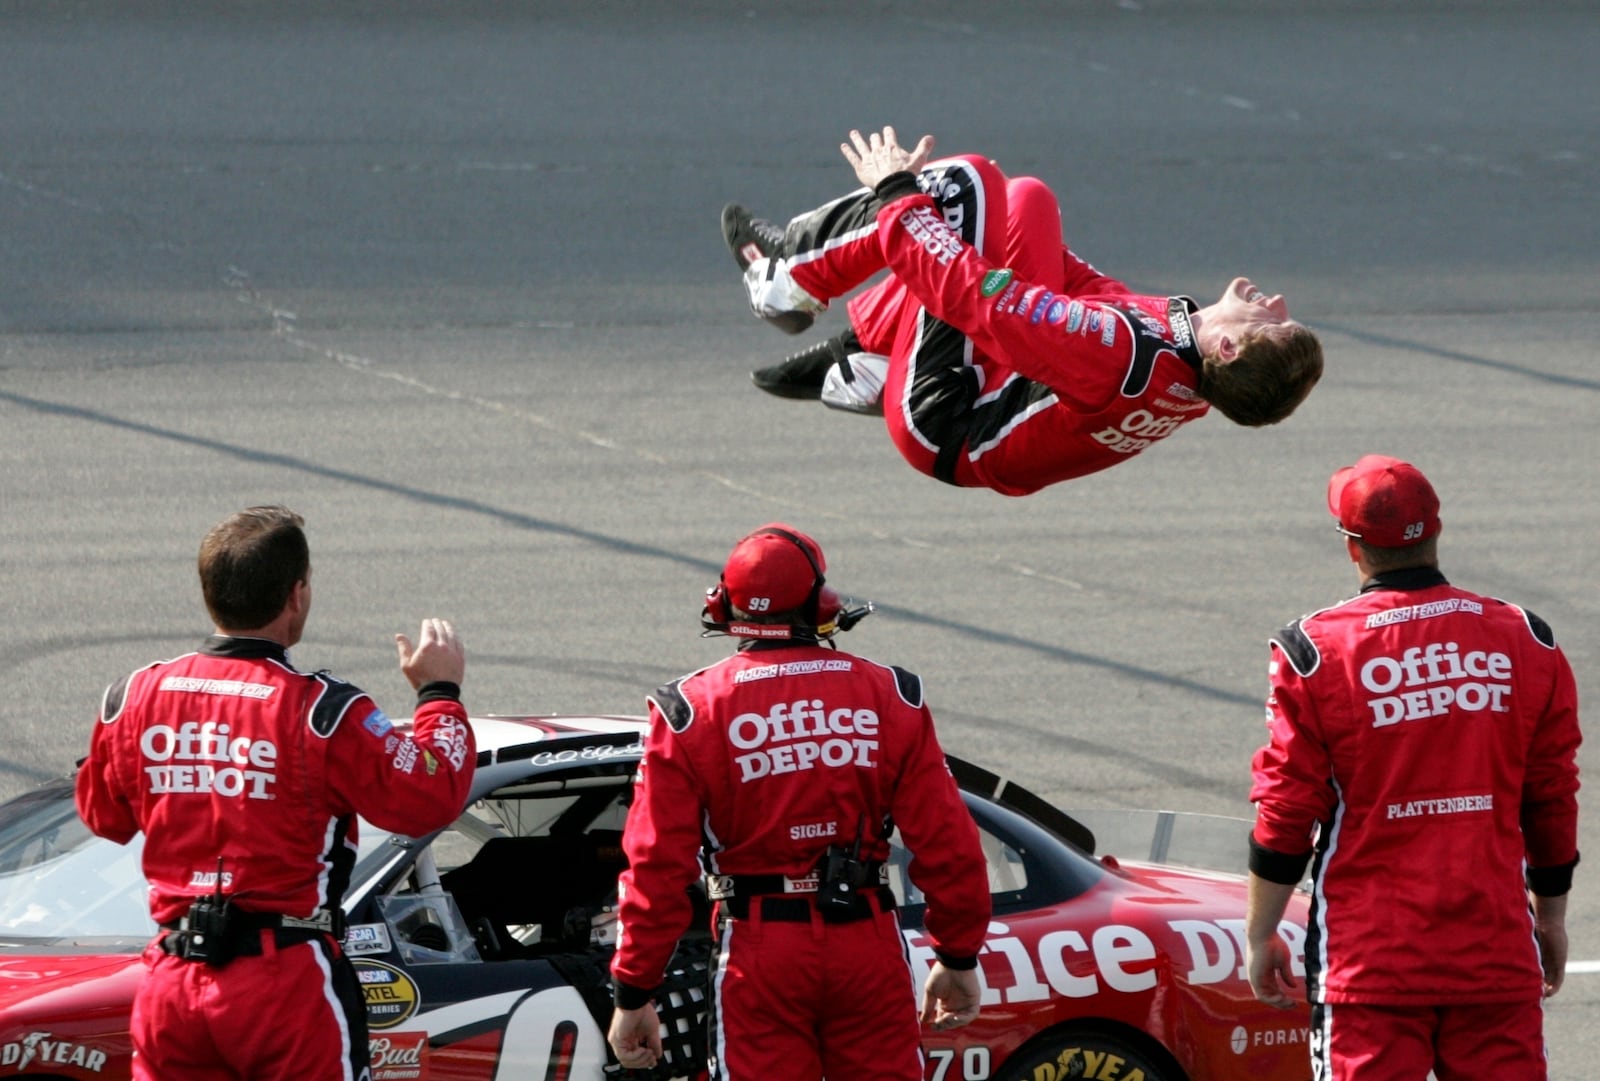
438 654
879 155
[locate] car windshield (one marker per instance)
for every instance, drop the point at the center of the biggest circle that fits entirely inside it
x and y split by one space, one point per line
58 880
62 884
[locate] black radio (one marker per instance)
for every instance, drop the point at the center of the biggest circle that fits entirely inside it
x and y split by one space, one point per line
207 933
840 875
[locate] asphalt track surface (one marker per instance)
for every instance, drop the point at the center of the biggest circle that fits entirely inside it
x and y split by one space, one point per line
447 280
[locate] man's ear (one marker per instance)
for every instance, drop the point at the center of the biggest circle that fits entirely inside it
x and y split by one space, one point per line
1227 348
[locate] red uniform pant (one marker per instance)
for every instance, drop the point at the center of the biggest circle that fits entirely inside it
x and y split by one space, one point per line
1500 1040
803 999
293 1013
932 386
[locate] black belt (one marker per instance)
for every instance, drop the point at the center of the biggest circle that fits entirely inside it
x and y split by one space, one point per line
949 456
173 944
798 908
323 923
941 410
244 931
722 887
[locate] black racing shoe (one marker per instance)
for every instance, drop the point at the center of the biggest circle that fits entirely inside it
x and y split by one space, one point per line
750 238
801 375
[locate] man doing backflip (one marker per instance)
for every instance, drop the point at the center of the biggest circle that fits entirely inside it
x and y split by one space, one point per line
997 356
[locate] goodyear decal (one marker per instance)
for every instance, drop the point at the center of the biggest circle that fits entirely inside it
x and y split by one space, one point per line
390 995
1087 1064
37 1052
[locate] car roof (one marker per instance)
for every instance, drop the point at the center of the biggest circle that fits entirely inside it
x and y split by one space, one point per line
522 747
498 733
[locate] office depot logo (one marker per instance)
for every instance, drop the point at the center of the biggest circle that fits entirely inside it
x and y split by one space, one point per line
801 735
207 758
1432 680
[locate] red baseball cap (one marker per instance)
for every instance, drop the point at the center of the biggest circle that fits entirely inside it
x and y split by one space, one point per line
1385 502
774 569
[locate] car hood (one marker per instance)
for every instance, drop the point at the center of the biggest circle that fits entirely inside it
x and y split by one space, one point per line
47 986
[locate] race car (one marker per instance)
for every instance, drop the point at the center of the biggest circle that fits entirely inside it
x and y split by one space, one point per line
483 949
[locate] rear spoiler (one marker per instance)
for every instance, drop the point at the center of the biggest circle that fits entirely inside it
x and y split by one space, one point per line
997 789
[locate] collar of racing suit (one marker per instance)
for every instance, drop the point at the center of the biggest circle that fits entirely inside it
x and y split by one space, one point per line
1406 578
800 638
228 645
1179 309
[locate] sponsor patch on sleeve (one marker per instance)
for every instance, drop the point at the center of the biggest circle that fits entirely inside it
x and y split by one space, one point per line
994 281
378 723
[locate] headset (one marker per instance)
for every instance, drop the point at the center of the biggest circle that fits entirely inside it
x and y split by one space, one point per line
825 614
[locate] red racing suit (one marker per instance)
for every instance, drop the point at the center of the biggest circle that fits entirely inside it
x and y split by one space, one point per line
756 765
1428 737
1014 364
235 765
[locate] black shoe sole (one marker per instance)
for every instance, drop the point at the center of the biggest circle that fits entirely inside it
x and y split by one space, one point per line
791 322
773 382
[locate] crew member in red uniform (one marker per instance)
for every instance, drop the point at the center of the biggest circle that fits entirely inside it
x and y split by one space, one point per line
781 772
246 777
1424 741
998 357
